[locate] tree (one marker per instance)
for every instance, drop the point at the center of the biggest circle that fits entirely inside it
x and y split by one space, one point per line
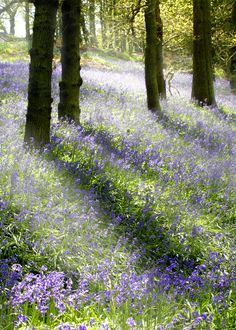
160 76
92 24
27 22
12 16
103 21
202 85
151 57
8 5
37 129
11 8
233 53
84 31
68 107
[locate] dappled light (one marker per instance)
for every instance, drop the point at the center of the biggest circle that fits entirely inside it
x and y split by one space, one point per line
118 166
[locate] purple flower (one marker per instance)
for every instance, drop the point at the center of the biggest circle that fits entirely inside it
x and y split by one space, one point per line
130 321
64 327
21 319
82 327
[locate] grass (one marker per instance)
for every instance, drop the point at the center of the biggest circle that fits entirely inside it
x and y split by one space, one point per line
12 50
124 222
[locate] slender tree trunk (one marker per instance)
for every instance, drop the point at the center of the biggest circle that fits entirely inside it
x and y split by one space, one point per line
37 129
12 11
12 24
68 107
131 37
27 22
202 86
232 67
110 28
58 32
103 23
160 75
151 57
123 41
84 29
92 25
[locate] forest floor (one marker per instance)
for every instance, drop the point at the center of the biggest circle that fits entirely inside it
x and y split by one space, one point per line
138 213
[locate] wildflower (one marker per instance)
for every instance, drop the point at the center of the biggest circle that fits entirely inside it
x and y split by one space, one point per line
21 319
82 327
131 322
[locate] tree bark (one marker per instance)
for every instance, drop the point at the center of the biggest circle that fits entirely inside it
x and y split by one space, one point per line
37 129
103 23
232 67
160 75
12 24
92 25
84 29
151 57
68 107
27 22
202 86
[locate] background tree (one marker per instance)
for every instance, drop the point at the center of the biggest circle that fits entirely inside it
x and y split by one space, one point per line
12 11
27 22
103 22
232 52
159 66
10 8
37 129
84 31
151 57
202 85
68 107
177 19
92 24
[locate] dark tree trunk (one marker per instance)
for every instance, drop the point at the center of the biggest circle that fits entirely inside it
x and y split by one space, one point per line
232 67
160 75
202 86
151 57
92 25
68 107
37 129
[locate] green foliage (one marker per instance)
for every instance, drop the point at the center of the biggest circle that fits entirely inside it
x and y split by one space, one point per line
18 242
223 34
13 50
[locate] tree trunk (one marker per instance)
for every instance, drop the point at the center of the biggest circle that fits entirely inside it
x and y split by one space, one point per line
202 86
232 67
151 57
84 29
103 23
68 107
110 28
92 25
123 41
12 24
58 32
27 22
160 75
37 129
